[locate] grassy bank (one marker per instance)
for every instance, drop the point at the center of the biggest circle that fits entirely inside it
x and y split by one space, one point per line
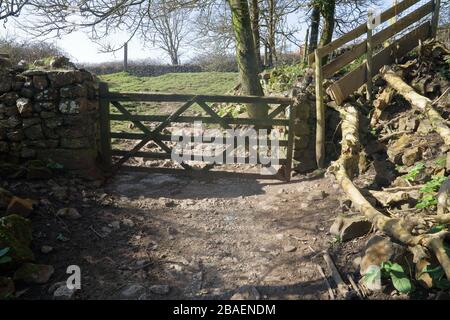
196 83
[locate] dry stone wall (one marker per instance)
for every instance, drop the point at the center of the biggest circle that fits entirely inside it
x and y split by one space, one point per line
49 115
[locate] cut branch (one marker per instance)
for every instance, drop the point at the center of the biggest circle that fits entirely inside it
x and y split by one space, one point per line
396 228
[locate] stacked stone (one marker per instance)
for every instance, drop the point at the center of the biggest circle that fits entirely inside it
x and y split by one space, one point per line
304 142
50 115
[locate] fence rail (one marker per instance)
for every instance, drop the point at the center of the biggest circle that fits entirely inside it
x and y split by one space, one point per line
363 74
116 98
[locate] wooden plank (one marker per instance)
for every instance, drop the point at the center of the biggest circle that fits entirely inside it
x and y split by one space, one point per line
377 39
213 115
360 30
105 128
290 142
369 68
166 137
158 155
153 155
191 119
160 97
277 111
320 113
150 135
348 84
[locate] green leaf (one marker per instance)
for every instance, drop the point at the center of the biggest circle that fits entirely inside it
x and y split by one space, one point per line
401 282
5 259
3 251
371 275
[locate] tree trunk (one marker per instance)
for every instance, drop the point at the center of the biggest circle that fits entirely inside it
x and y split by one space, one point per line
271 30
314 33
327 10
255 31
246 56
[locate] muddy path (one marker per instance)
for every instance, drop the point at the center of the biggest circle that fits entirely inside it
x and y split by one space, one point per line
161 236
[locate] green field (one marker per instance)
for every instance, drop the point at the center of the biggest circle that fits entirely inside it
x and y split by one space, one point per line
195 83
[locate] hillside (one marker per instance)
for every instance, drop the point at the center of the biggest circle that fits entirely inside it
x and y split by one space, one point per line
200 82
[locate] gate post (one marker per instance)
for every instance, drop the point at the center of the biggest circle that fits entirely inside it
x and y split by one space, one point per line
320 111
435 17
105 126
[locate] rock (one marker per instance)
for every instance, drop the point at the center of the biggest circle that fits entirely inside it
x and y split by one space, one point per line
106 230
60 62
115 225
5 198
397 148
289 248
411 156
40 82
348 228
132 291
46 249
68 213
15 234
34 273
128 222
161 289
22 207
56 285
424 278
7 288
304 205
24 107
39 173
63 293
335 228
356 262
425 127
316 195
382 250
246 293
34 132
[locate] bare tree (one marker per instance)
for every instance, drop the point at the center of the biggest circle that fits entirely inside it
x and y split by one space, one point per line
214 27
11 8
168 30
99 18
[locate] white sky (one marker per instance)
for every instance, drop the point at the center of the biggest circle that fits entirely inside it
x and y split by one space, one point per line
82 50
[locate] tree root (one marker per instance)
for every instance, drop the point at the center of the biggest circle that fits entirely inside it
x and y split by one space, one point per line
398 228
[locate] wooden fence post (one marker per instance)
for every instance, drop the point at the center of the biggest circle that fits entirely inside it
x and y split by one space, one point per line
105 128
290 143
320 112
435 17
125 57
369 68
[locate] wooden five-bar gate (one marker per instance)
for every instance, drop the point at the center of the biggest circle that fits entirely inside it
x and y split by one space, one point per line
276 117
363 74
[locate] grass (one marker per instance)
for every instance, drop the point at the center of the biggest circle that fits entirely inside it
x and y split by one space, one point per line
189 83
195 83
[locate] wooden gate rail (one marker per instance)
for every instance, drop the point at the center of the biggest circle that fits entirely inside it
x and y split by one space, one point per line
147 135
363 74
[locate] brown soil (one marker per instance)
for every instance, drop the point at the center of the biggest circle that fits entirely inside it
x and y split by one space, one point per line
204 238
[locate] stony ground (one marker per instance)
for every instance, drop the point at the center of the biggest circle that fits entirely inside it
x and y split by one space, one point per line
161 236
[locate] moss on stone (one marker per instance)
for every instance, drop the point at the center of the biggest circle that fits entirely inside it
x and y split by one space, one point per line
15 233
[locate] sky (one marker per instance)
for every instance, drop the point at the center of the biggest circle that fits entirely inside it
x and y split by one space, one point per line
81 49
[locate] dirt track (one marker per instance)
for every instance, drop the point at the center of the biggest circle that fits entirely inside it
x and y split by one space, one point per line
204 238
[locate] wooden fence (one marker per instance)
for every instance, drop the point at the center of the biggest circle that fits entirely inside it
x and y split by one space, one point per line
363 74
116 99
